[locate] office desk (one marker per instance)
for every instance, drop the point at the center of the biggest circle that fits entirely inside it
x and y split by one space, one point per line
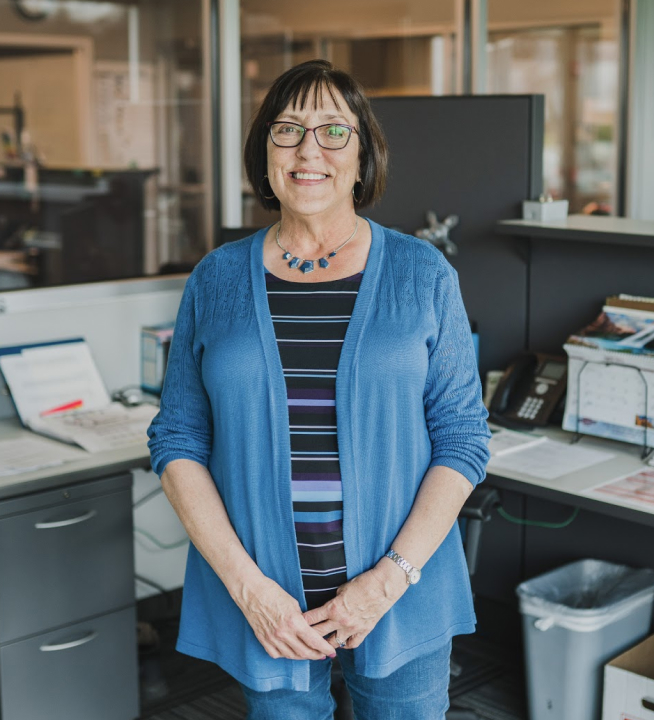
96 465
568 489
67 606
105 477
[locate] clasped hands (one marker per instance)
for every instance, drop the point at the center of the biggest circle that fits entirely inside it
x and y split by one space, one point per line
285 631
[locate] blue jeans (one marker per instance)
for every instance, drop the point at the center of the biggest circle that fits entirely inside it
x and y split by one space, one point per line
416 691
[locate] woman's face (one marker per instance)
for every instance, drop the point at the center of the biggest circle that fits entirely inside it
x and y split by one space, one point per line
334 171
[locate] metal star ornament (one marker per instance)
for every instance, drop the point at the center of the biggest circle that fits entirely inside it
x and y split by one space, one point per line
438 233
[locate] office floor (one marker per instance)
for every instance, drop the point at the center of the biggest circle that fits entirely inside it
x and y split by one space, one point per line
177 687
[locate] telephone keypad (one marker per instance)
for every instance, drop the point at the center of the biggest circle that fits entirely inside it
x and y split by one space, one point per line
530 408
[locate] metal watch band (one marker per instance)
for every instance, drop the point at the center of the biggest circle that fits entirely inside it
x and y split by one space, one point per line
412 573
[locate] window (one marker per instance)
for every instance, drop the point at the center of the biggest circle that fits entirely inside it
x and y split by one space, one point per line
574 63
104 167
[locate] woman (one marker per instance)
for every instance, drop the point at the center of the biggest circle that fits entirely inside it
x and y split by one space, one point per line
321 505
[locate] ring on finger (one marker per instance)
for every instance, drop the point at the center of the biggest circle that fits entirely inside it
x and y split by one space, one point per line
341 643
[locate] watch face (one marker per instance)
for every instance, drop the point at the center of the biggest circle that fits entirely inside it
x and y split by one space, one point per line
414 575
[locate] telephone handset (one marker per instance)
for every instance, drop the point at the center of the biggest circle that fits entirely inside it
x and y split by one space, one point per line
530 390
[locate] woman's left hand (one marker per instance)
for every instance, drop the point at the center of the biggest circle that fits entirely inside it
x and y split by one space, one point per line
359 605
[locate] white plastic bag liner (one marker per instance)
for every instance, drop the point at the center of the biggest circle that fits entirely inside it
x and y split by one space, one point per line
585 595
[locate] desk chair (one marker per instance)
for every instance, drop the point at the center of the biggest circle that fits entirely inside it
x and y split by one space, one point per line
476 511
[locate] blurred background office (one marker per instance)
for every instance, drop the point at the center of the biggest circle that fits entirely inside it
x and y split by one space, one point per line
121 135
103 172
122 122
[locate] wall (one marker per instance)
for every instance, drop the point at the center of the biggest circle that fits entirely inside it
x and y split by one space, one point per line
108 315
459 167
343 18
48 88
371 18
156 524
505 14
109 36
401 66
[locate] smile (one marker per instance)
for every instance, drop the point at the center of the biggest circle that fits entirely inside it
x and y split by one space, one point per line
307 176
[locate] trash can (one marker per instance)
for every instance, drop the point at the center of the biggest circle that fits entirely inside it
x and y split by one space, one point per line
574 620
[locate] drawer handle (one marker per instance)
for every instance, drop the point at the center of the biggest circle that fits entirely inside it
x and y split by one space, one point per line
73 643
64 523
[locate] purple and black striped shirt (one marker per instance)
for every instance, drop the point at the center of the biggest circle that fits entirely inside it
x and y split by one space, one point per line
310 321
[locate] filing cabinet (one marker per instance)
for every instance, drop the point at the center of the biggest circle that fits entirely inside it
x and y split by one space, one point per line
67 614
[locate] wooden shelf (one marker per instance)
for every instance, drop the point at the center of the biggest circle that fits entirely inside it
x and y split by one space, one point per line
584 228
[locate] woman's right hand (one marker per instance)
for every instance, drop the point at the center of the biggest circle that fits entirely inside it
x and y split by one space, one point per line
278 623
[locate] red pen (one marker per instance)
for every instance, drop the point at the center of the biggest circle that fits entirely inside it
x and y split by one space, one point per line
74 405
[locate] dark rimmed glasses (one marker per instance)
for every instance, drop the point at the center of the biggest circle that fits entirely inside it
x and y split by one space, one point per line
330 137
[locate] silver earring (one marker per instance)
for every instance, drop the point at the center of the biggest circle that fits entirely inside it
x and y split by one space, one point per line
263 192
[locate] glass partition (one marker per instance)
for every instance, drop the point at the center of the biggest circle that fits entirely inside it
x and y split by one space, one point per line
104 167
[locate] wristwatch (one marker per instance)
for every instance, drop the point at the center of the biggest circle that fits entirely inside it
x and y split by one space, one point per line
412 573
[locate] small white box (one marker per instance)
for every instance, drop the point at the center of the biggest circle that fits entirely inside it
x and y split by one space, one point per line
544 210
629 684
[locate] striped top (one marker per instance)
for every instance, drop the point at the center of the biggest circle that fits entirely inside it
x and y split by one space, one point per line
310 321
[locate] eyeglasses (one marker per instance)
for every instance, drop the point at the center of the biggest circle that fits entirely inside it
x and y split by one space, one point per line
329 137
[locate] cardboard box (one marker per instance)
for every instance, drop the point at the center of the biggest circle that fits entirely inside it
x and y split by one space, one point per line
629 684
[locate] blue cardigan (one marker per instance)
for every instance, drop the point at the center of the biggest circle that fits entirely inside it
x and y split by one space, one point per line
408 397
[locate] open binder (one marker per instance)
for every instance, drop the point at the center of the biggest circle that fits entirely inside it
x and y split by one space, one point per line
58 391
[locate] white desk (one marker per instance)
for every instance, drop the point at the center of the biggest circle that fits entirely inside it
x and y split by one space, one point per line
569 489
73 478
91 467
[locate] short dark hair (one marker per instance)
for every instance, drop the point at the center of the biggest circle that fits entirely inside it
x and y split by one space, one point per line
294 87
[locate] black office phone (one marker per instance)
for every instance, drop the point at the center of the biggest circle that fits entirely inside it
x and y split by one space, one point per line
530 390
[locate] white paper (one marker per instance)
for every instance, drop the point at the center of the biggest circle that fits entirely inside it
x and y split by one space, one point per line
108 428
46 377
27 454
549 459
636 488
507 441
